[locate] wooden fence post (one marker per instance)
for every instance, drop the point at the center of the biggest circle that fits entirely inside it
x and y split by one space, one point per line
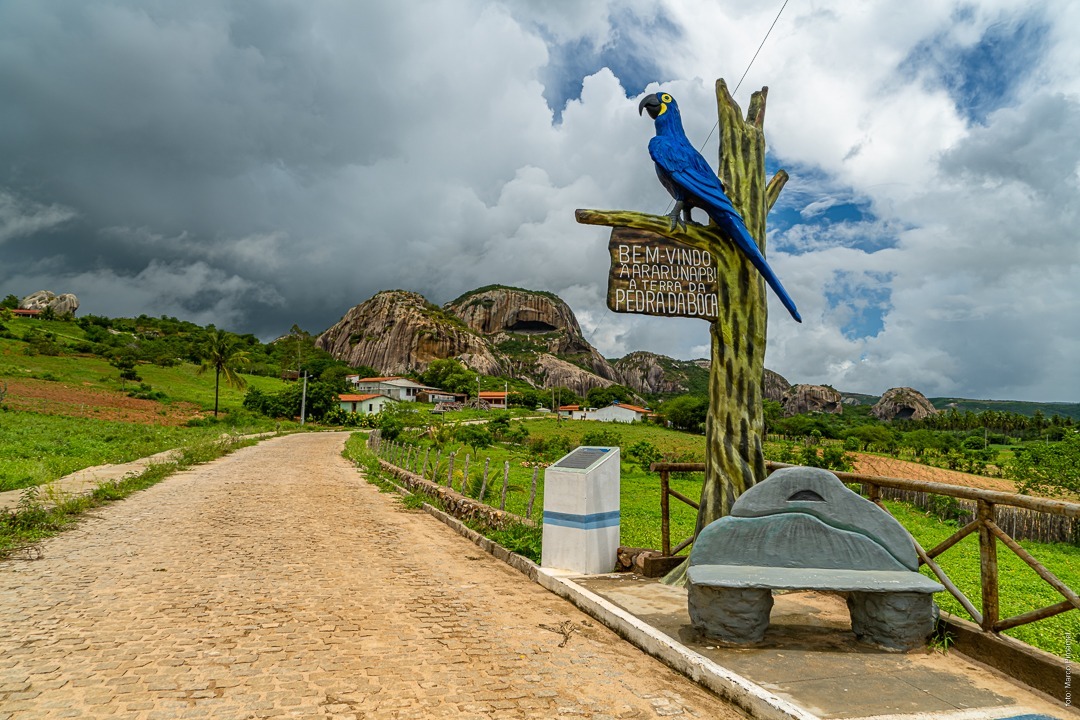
665 508
532 492
988 567
423 470
506 479
450 473
435 467
465 475
483 485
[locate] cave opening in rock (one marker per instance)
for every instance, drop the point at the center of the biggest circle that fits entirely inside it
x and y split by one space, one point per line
905 413
532 326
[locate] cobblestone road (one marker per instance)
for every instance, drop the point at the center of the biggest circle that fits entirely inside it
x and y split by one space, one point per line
275 582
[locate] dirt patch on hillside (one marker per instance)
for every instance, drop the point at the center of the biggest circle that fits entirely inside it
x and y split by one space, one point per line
57 398
890 467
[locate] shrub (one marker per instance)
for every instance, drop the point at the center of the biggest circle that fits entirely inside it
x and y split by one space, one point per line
601 438
644 453
475 436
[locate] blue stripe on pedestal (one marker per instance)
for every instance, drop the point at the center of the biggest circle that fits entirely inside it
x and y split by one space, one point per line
593 521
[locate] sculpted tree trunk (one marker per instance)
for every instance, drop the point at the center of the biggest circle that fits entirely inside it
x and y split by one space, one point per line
734 457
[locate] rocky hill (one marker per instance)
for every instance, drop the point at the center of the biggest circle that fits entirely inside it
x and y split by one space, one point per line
534 336
902 403
494 330
651 374
400 332
804 399
775 385
532 330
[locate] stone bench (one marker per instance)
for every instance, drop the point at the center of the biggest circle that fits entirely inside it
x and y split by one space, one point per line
802 529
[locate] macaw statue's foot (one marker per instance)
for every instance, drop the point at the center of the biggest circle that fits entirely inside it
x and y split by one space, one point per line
676 216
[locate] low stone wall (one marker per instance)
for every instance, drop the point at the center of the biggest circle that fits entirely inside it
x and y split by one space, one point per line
453 502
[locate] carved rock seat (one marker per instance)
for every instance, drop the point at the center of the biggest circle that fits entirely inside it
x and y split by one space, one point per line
802 529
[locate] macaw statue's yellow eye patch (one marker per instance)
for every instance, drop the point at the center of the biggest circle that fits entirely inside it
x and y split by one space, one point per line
665 98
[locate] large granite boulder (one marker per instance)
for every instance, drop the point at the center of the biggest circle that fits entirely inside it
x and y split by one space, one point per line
397 332
65 304
903 403
774 386
804 399
526 322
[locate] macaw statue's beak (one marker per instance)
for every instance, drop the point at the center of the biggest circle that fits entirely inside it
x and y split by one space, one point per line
652 104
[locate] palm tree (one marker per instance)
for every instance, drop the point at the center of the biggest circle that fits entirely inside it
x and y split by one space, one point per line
221 352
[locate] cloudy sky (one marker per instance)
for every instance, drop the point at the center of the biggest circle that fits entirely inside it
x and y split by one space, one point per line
259 164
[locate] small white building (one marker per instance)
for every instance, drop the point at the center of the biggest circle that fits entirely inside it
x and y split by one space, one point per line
434 395
572 412
619 412
369 404
395 388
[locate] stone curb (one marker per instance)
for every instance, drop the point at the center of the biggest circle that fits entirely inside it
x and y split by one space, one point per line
745 694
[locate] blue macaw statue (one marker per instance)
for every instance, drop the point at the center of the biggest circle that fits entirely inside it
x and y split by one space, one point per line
687 176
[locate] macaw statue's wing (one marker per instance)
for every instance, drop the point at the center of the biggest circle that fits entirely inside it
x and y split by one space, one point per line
689 172
711 198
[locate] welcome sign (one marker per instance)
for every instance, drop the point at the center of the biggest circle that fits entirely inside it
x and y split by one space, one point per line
655 275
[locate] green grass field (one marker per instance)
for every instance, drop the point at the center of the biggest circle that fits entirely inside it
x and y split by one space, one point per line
1021 589
179 383
36 448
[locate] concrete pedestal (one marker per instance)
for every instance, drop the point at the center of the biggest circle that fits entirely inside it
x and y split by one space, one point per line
581 511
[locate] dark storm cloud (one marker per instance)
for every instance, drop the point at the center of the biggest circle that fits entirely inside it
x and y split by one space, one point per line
259 164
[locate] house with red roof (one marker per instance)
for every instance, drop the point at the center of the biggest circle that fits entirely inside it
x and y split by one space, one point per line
394 387
495 400
618 412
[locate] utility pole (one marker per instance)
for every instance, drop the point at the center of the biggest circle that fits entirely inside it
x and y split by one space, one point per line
303 399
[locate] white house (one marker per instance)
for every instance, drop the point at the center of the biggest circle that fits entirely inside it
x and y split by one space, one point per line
572 412
620 412
369 404
395 388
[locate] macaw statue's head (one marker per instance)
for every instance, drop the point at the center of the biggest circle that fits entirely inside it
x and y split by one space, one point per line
658 105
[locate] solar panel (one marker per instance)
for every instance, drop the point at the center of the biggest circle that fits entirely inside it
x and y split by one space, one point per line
581 458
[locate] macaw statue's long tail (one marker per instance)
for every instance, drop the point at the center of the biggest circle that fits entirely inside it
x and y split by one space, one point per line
734 228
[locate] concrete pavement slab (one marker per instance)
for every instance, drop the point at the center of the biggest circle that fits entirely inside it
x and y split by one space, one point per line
810 658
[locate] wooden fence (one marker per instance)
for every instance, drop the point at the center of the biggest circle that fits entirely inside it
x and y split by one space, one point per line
433 468
986 521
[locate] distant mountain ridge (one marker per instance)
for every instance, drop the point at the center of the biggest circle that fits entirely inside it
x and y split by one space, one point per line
535 336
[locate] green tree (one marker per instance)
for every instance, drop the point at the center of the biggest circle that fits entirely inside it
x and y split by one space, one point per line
124 361
11 302
222 353
564 396
475 436
334 376
365 371
449 375
599 397
686 412
1051 468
